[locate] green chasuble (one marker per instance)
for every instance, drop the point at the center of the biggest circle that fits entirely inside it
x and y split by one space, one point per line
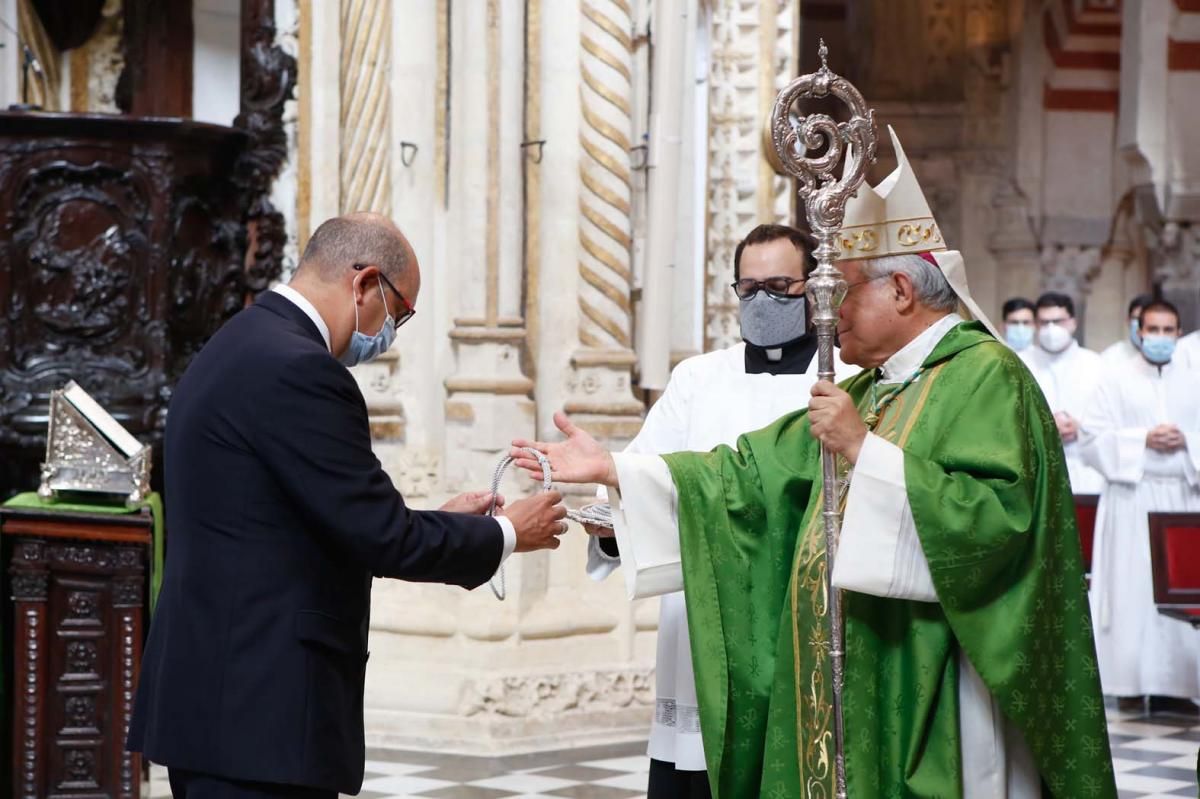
994 513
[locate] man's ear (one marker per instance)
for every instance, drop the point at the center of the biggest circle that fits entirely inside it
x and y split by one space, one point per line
902 291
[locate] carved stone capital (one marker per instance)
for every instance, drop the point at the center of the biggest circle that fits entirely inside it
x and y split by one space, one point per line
1175 253
1070 269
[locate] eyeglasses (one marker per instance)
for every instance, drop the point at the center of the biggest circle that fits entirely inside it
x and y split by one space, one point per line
408 312
858 283
777 287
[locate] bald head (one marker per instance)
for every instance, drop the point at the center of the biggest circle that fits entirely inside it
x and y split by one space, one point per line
362 238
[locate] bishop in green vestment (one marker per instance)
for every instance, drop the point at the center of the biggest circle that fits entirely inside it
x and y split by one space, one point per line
970 665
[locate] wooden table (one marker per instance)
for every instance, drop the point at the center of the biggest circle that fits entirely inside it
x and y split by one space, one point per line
78 585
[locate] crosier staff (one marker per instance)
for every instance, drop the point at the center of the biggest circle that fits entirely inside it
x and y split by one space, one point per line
825 195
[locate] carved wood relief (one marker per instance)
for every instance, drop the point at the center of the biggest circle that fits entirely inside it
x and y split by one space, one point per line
77 591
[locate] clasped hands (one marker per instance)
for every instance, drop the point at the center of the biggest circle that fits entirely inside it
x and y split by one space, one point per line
1166 438
538 520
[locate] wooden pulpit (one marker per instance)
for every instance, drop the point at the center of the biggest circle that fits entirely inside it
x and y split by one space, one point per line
78 588
1175 561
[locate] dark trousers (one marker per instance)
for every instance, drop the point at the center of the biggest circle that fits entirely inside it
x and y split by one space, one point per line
668 783
190 785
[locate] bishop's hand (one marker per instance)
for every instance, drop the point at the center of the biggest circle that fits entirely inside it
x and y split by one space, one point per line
578 459
834 420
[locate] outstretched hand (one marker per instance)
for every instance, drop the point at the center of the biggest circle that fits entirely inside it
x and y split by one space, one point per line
578 459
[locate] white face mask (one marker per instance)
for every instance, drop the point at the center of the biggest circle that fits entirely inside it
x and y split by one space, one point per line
1054 338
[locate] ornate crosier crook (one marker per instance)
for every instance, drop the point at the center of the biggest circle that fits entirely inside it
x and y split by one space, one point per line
825 198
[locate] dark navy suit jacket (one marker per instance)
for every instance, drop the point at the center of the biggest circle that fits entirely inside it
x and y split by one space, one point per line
278 516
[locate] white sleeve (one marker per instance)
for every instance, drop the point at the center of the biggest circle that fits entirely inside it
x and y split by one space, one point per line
647 525
600 564
1191 467
1118 453
665 430
510 537
879 552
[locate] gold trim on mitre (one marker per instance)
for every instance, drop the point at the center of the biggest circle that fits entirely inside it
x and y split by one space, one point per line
892 218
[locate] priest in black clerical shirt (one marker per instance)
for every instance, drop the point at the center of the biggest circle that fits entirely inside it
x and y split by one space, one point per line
711 399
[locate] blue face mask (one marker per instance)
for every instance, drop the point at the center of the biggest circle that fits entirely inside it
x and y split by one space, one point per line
1018 336
364 348
1134 338
1158 349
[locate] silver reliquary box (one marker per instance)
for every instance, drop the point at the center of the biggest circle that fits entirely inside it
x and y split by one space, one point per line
88 451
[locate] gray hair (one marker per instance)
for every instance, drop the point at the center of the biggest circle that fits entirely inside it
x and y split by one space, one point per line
362 238
929 284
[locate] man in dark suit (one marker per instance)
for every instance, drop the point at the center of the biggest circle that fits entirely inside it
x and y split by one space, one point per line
279 516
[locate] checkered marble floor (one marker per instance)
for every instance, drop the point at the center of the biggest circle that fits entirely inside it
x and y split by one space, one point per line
1154 757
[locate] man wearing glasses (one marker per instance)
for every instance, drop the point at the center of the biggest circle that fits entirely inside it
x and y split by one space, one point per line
279 516
711 399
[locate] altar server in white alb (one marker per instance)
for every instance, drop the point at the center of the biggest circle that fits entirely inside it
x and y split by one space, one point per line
1068 375
711 399
1143 434
1130 346
1188 353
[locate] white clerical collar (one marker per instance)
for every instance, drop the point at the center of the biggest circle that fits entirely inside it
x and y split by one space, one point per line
909 358
310 310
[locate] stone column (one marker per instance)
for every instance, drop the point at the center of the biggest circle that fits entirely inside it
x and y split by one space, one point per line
489 394
599 386
753 57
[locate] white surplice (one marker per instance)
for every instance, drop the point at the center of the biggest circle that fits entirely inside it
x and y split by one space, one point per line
1187 351
709 400
1068 379
1140 651
880 554
1119 354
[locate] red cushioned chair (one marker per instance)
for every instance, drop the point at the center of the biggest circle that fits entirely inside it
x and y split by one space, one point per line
1175 560
1085 517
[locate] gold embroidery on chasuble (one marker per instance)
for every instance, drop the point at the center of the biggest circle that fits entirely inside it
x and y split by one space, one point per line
893 422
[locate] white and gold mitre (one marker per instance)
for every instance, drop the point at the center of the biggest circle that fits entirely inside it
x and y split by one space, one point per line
894 219
891 219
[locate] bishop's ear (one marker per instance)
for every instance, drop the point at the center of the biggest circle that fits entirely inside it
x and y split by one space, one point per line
902 292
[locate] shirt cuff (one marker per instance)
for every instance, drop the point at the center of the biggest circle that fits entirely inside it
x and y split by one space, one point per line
510 536
879 552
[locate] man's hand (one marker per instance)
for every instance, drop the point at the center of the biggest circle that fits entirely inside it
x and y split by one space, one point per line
579 459
1068 428
835 421
476 502
1165 438
538 520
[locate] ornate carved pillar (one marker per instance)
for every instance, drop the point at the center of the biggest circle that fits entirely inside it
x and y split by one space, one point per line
753 56
268 79
599 387
366 178
30 590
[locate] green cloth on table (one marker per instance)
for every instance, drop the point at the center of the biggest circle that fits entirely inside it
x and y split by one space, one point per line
32 501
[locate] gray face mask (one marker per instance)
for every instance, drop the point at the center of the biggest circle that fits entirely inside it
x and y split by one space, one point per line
772 321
